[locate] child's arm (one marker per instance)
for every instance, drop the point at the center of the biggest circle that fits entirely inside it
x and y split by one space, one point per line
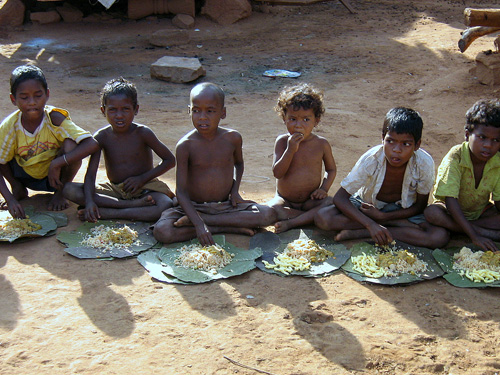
91 210
330 173
239 167
284 149
378 233
135 183
86 147
13 205
457 214
381 217
181 176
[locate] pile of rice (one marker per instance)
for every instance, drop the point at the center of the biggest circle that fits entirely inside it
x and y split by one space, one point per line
107 238
477 266
389 263
298 256
15 228
203 258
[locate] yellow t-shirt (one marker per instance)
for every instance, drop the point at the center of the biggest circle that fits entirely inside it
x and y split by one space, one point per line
455 179
34 152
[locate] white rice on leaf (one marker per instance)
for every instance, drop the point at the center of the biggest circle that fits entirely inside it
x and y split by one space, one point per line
477 266
204 258
106 238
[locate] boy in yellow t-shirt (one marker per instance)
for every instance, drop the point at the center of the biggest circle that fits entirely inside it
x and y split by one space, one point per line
469 178
41 148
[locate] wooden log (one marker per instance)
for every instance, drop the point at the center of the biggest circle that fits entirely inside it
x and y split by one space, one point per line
472 33
482 17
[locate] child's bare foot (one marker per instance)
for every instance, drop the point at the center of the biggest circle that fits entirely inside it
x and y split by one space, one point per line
183 222
350 234
147 200
58 202
281 226
81 214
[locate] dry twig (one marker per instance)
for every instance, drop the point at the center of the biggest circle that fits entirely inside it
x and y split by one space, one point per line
247 367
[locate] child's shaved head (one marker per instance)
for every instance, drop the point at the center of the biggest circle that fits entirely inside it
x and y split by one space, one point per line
208 86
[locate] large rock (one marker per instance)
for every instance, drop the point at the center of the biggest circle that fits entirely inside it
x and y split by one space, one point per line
177 69
487 68
11 13
226 12
167 38
45 17
69 13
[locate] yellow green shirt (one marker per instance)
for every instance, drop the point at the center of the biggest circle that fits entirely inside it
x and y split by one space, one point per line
34 152
455 178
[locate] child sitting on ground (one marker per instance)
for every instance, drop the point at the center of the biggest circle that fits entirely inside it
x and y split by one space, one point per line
133 192
385 194
208 177
42 149
299 156
469 176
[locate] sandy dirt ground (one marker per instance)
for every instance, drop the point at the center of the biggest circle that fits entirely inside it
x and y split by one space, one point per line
61 315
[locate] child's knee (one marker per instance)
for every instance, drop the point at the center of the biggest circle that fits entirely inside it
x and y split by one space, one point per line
321 219
163 231
269 215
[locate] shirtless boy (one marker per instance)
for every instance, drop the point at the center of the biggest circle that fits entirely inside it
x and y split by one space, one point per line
42 148
386 192
134 192
467 191
208 176
299 156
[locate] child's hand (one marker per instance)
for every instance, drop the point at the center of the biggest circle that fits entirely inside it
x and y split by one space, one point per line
92 212
15 209
204 235
319 194
236 198
372 212
294 141
380 234
133 184
54 176
485 243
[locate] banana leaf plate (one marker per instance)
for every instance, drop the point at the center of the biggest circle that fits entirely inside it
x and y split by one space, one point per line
273 244
445 259
161 263
424 254
73 241
45 219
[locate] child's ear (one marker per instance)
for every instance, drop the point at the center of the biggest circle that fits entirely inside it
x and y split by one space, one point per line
48 94
136 110
467 134
223 115
189 109
103 110
13 99
417 145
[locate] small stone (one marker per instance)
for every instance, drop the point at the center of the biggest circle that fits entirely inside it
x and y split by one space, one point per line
166 38
45 17
177 69
183 21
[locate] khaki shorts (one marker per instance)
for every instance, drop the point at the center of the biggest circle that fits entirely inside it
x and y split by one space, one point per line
116 190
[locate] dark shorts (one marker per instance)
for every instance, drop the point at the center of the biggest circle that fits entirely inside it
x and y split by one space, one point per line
28 181
389 207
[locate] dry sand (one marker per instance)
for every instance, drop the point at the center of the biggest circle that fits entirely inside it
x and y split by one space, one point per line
61 315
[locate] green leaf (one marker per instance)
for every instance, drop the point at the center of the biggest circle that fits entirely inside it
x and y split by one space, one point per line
433 269
274 244
161 263
47 222
445 260
73 241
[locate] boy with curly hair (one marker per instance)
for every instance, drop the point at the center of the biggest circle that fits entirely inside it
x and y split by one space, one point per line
299 157
469 179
